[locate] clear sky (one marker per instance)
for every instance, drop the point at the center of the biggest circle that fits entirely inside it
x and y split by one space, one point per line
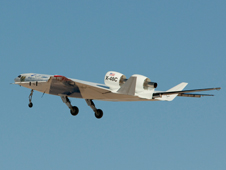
168 41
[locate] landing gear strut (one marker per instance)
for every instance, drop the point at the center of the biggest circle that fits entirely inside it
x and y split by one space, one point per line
74 109
98 112
30 98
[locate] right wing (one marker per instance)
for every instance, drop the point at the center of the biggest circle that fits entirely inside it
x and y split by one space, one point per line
184 93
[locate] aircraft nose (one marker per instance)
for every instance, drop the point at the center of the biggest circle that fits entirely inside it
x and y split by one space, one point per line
16 79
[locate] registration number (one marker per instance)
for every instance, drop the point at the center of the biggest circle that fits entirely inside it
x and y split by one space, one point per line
115 79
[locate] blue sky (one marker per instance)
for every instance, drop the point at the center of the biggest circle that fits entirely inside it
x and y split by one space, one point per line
168 41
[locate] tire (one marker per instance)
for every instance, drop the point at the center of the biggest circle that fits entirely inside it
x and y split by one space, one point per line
30 105
99 113
74 111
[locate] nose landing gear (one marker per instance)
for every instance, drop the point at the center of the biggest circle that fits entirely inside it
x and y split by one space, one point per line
30 98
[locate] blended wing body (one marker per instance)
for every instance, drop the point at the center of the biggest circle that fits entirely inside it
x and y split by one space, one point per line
116 88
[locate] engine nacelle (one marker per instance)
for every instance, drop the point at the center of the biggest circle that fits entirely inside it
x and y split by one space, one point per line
114 79
144 83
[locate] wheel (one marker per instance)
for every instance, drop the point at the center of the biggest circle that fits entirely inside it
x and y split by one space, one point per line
30 105
99 113
74 111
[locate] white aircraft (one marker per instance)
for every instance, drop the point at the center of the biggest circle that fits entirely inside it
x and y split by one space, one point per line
116 88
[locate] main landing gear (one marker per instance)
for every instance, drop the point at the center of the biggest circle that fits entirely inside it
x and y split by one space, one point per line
98 112
74 109
30 98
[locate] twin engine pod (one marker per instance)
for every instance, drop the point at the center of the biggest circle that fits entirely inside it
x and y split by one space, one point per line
115 80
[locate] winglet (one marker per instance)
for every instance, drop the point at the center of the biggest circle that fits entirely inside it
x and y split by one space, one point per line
178 87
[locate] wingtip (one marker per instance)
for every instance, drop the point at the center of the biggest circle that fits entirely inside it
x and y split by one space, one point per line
218 88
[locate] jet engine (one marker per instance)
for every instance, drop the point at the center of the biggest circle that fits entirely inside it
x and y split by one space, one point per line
114 79
144 83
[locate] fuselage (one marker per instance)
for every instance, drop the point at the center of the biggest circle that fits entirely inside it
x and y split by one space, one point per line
33 81
40 82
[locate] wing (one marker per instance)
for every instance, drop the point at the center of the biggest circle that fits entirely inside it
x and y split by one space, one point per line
61 85
186 93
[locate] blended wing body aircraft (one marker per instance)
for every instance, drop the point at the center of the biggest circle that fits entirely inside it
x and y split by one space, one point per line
116 88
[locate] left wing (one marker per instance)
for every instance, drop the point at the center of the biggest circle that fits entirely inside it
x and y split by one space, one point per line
61 85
